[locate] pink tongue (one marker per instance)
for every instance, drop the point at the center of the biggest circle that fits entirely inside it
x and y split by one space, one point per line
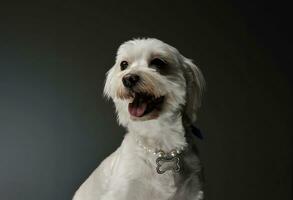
137 110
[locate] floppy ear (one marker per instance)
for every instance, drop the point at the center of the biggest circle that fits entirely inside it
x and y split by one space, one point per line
195 85
108 84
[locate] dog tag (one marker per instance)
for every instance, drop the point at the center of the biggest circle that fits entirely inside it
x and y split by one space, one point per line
168 163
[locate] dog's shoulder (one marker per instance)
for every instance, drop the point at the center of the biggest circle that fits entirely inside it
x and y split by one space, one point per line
96 183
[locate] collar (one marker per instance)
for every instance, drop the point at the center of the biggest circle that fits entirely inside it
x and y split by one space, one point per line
165 161
172 160
196 131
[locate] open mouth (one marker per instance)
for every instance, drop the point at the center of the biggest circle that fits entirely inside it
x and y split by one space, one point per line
144 104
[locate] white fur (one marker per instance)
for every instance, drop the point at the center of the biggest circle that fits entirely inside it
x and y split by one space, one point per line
129 173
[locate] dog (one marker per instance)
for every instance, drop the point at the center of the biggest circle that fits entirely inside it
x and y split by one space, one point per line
157 93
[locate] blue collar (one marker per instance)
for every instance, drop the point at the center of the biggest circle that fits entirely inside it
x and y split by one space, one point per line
196 131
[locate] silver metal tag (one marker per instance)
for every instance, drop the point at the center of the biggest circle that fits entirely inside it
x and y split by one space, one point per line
166 163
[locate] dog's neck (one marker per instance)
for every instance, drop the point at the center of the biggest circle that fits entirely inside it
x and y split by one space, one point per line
164 133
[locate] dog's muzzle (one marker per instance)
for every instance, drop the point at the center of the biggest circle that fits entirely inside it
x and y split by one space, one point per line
143 101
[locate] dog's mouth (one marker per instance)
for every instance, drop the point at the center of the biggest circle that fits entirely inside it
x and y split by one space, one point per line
144 104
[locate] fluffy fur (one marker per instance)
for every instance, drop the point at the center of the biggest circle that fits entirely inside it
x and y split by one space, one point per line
129 173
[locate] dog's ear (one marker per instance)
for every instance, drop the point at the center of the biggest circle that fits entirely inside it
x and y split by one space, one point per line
108 84
195 85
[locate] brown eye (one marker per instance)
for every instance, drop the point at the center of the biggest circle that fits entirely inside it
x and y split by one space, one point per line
123 65
157 62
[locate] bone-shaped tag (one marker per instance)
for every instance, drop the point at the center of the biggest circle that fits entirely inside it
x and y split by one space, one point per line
168 163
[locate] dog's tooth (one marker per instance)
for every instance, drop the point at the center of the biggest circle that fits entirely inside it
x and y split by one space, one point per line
131 99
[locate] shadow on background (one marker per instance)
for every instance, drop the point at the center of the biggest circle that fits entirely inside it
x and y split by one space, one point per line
55 126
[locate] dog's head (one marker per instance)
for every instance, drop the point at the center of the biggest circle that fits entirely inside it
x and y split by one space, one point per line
150 80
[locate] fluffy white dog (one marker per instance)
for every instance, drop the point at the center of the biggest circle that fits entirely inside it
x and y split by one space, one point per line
157 92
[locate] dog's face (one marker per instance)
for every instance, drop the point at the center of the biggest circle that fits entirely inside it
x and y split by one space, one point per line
151 79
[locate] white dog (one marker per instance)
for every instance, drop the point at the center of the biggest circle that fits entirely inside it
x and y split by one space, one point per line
157 92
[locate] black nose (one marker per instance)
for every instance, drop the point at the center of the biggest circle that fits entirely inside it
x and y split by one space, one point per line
129 80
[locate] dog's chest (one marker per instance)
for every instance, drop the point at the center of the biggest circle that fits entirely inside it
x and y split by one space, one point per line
140 176
164 185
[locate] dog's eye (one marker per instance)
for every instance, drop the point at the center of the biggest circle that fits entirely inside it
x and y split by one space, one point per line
123 65
157 62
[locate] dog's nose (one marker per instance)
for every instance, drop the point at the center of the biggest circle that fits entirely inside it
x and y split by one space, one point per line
129 80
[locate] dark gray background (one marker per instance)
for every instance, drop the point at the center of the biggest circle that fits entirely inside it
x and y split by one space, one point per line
55 126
